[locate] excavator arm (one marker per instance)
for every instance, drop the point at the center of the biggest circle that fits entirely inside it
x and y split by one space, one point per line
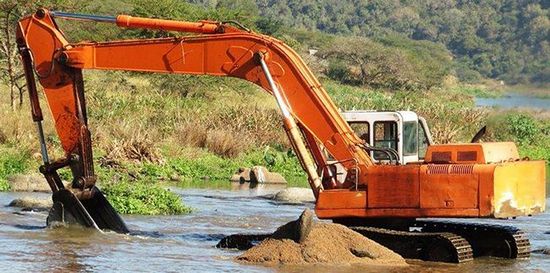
311 119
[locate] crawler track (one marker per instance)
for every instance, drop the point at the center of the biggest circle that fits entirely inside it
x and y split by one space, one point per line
486 239
438 241
427 246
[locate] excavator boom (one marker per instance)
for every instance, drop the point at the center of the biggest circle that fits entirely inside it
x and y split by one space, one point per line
310 118
222 50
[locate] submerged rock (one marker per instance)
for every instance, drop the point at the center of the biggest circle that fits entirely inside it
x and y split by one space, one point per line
295 195
29 203
545 251
29 183
257 174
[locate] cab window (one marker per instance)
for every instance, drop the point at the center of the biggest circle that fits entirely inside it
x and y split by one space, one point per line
422 142
385 136
362 130
410 138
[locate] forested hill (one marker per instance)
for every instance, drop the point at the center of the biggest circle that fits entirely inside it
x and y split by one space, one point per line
393 44
501 39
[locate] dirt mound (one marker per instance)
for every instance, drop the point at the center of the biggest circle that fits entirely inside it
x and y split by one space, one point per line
326 243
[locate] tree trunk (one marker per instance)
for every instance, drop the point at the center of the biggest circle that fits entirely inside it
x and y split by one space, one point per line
12 98
9 50
21 91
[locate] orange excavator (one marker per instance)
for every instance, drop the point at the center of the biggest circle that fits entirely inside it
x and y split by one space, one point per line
381 199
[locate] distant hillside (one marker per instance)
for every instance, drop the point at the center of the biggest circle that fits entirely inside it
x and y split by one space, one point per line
501 39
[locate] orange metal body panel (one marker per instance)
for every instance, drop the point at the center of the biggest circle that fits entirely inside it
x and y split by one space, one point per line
392 212
500 190
342 199
486 188
448 190
519 188
394 187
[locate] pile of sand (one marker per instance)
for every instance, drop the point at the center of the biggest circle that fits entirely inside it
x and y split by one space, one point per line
325 243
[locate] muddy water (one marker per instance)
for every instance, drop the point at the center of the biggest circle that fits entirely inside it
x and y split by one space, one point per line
186 243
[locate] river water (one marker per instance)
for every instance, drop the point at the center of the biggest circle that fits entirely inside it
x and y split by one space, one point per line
186 243
514 100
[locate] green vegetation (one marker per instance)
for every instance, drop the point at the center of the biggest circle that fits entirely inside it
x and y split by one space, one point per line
393 62
479 91
142 198
531 134
502 39
206 168
12 161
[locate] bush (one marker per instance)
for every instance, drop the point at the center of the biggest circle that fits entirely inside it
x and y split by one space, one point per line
4 185
11 162
391 62
143 198
523 128
339 71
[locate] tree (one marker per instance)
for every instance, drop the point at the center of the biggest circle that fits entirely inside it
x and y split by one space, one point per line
11 72
392 62
11 69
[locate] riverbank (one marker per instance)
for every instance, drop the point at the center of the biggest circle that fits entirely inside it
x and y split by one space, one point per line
537 91
147 132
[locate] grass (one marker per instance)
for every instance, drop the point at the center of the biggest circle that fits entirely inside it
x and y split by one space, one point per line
478 91
537 91
143 198
204 167
4 185
11 162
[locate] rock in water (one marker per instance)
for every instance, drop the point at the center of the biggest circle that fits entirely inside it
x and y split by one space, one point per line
28 203
28 183
257 174
545 251
242 175
297 230
260 174
326 243
295 195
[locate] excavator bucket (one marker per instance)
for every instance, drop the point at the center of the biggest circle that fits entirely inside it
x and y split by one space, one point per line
95 212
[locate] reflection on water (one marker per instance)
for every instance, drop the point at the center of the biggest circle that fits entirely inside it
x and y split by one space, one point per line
515 100
186 243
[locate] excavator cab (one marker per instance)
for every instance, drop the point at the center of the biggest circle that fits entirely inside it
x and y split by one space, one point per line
403 131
